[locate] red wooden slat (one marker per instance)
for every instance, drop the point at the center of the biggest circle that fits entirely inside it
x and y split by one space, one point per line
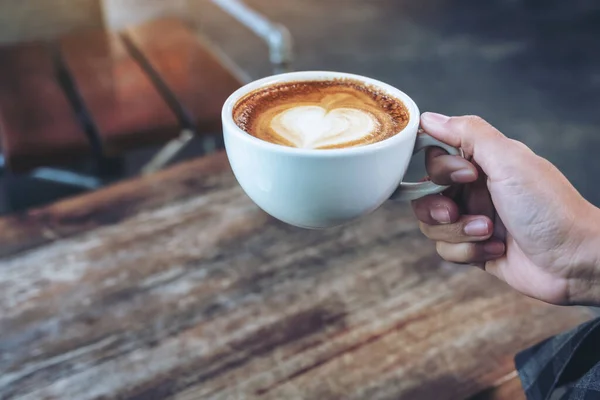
198 80
126 108
37 123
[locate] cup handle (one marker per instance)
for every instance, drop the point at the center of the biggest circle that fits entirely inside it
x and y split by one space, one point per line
413 190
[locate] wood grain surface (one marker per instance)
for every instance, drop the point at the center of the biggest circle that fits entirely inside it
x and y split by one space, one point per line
37 123
26 230
192 76
177 286
127 110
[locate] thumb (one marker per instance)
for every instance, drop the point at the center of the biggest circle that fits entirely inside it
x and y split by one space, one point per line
488 147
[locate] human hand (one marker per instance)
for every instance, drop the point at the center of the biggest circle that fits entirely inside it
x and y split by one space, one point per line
514 214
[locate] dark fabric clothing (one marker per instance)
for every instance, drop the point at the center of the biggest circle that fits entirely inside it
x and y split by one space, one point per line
563 367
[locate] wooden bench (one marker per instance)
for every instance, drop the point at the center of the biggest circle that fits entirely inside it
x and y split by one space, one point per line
37 123
104 93
127 110
128 94
189 73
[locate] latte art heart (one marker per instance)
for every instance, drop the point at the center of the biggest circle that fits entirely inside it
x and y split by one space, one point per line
314 126
320 115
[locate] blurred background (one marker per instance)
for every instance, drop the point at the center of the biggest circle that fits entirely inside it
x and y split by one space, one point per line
530 67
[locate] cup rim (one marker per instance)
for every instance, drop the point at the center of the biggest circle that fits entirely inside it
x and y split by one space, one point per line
233 129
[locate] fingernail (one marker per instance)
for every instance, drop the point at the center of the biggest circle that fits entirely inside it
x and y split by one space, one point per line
477 227
494 248
441 214
463 176
435 118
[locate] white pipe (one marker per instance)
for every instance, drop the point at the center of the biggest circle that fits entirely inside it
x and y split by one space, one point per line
277 36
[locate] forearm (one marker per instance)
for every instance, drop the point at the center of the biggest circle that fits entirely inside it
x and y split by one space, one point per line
584 277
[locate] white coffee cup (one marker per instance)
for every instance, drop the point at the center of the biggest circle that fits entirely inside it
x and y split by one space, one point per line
324 188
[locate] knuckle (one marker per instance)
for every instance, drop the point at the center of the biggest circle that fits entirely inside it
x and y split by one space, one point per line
475 120
520 146
474 123
453 233
457 229
469 122
425 229
450 233
458 253
467 252
448 251
440 249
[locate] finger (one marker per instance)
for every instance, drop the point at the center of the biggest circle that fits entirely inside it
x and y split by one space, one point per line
501 268
444 169
468 228
471 253
477 199
473 135
436 209
455 193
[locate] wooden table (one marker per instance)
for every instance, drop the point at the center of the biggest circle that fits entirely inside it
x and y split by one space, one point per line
177 286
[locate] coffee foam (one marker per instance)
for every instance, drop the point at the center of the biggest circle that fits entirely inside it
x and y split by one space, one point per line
321 114
314 126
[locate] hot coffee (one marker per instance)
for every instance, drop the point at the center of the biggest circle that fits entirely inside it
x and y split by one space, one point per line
317 114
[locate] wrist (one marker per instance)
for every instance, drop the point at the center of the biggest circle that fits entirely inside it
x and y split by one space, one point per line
584 275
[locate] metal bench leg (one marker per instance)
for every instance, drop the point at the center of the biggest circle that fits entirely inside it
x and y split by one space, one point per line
69 178
168 152
61 176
